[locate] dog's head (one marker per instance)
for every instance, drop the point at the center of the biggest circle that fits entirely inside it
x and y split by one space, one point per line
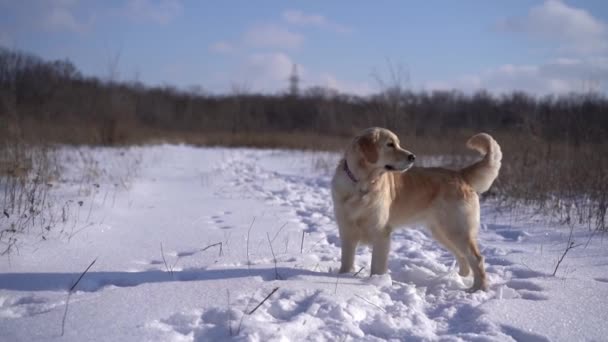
379 149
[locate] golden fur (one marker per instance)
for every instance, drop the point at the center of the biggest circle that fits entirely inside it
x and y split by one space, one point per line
375 189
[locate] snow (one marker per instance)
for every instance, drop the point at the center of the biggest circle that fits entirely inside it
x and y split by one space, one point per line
188 199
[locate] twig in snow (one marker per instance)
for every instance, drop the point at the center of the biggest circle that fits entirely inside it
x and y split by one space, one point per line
226 241
337 279
302 243
286 244
80 203
238 330
67 301
249 231
590 237
229 320
570 246
274 258
279 231
264 300
82 275
162 253
316 243
359 271
213 245
367 301
91 206
75 232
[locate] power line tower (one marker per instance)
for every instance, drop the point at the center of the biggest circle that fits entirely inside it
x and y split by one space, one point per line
294 81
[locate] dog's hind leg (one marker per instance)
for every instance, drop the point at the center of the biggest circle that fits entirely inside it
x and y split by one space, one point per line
381 248
461 227
476 262
463 264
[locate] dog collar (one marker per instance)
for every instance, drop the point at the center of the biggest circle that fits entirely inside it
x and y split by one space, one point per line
349 173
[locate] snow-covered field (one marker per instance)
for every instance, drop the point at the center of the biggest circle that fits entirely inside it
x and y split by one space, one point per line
250 204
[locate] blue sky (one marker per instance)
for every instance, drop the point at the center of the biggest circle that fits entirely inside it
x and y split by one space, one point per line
222 46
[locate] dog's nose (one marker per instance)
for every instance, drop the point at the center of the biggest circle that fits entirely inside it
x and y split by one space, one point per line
411 158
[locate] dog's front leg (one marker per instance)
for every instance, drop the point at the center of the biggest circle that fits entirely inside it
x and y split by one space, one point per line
349 248
381 247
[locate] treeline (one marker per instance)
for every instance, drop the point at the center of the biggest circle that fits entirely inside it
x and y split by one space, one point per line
53 101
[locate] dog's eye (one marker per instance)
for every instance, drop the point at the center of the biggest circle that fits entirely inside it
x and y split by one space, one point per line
391 144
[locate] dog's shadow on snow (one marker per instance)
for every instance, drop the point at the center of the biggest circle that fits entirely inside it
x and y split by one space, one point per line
93 281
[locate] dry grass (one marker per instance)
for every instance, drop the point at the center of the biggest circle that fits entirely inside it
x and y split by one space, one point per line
25 176
560 179
29 198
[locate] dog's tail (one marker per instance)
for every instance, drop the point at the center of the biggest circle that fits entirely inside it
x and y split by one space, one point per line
482 174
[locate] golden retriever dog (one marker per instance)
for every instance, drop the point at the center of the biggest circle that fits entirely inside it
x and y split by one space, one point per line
375 189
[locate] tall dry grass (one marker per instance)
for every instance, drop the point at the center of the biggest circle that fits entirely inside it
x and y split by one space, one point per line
25 176
567 181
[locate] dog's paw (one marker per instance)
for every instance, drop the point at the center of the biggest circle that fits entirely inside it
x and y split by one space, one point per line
464 272
478 286
345 269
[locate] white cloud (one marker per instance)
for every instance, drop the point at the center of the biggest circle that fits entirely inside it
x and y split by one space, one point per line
276 36
222 47
55 15
330 81
561 75
296 17
272 36
159 12
61 18
574 33
574 29
266 71
299 18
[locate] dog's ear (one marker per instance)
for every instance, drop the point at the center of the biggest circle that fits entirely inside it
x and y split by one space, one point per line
367 145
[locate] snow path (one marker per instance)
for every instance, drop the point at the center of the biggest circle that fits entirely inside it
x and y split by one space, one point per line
189 199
